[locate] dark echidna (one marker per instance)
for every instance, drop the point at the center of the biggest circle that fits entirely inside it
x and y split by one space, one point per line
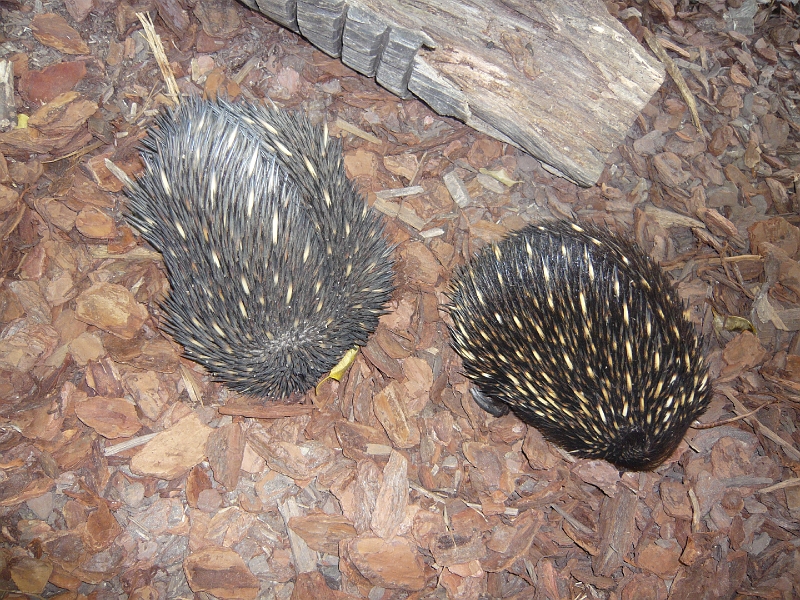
583 337
277 266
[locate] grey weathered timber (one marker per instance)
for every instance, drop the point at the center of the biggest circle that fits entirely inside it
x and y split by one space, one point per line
561 79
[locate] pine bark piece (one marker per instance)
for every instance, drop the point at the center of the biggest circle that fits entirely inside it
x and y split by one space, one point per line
392 500
221 572
173 451
196 483
618 527
507 543
301 462
365 490
54 31
305 559
225 453
392 565
322 532
112 308
110 417
101 528
455 548
312 586
390 411
356 438
561 79
29 574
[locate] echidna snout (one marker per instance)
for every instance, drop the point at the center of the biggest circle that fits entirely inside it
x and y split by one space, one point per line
579 333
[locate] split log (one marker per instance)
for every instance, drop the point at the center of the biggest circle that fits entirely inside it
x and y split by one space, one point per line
561 79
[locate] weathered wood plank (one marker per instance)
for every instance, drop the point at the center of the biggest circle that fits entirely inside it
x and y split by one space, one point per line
561 79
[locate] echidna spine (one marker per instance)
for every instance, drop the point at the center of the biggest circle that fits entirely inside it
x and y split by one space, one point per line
581 335
270 285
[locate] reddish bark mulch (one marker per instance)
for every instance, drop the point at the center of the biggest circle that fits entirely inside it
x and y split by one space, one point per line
125 472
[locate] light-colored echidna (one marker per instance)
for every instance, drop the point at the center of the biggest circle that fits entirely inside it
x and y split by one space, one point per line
583 337
277 266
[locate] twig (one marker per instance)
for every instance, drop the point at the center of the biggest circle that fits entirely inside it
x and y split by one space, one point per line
161 58
676 75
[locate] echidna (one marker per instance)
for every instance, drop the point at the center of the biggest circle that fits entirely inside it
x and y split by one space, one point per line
583 337
276 264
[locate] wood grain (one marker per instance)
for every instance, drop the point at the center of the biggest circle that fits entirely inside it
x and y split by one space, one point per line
561 79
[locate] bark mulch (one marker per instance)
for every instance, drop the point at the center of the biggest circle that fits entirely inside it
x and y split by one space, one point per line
126 472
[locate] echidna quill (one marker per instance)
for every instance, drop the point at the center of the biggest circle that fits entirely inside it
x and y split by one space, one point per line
276 264
583 337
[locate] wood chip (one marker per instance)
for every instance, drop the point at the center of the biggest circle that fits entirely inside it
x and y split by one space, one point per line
322 532
221 572
390 564
174 451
